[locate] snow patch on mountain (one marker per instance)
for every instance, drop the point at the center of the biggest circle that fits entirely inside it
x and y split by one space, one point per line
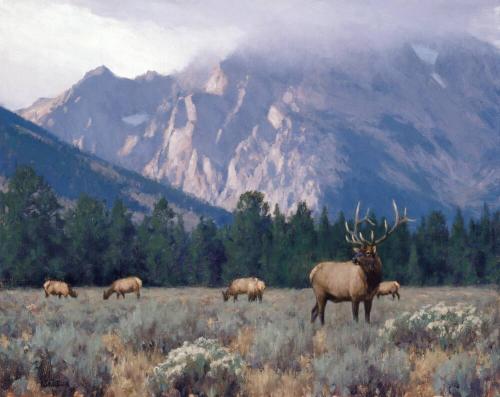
136 119
426 54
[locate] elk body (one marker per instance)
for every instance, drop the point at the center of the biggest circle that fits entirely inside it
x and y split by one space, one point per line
59 288
251 286
124 286
257 290
350 281
388 288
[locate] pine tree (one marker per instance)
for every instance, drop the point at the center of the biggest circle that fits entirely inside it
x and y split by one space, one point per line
206 254
87 231
341 249
31 230
250 229
156 236
325 237
432 247
459 262
120 256
303 241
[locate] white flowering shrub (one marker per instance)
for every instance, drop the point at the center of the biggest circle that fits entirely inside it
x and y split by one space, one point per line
450 326
202 367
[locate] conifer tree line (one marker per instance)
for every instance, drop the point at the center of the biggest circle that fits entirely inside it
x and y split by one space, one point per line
89 244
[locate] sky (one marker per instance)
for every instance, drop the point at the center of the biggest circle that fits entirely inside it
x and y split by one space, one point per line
48 45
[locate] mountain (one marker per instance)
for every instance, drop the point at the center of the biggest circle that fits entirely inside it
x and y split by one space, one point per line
71 172
419 122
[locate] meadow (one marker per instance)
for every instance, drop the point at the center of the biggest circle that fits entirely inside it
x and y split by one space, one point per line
434 341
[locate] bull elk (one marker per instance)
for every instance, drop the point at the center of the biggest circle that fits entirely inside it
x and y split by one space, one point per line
353 281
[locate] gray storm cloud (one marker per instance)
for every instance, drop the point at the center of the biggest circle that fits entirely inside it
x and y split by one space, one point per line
46 45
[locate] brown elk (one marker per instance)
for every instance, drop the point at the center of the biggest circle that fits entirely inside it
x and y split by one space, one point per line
124 286
353 281
58 288
388 288
240 286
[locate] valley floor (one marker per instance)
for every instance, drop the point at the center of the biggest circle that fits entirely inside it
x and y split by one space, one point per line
414 347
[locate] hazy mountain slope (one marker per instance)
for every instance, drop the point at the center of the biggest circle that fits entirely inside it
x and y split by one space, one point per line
420 123
71 172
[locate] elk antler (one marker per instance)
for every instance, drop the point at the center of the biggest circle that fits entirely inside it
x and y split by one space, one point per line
357 238
398 221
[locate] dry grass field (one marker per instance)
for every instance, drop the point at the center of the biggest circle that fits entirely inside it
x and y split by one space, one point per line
413 347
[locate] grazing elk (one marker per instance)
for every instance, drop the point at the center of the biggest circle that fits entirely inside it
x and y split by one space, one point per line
59 288
353 281
124 286
248 285
388 288
257 290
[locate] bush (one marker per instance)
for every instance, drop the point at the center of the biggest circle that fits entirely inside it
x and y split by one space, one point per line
448 326
202 367
359 362
458 377
71 358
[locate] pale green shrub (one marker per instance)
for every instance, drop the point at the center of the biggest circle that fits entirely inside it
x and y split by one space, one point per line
202 367
448 326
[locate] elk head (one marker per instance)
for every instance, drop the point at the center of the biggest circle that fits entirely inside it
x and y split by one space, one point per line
366 249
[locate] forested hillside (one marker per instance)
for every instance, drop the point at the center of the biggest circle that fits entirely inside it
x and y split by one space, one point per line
89 244
71 172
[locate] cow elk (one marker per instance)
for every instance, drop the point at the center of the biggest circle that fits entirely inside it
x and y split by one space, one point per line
348 281
124 286
251 286
388 288
58 288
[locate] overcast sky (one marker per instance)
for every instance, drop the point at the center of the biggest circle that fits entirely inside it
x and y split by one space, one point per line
47 45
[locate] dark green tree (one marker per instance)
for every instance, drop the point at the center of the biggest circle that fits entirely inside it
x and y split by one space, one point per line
31 246
459 261
120 257
87 231
247 238
342 250
325 236
303 241
156 238
207 254
276 268
432 248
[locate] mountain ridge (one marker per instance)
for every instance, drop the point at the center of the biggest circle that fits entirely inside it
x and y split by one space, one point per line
419 123
71 172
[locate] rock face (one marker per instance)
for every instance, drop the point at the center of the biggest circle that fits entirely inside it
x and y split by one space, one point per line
419 123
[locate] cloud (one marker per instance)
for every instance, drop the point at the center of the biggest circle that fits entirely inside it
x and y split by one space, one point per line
46 45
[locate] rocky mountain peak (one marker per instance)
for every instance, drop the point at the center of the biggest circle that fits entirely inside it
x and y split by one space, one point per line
418 123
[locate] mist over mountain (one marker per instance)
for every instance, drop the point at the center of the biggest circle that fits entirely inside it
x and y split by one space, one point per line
418 121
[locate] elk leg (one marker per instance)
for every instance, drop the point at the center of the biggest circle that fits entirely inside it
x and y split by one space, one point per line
314 313
355 310
397 294
138 294
123 295
117 295
368 308
393 296
321 309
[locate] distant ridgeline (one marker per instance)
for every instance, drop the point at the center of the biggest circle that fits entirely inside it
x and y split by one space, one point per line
71 172
92 245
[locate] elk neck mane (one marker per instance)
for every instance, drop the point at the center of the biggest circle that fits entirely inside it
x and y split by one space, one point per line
372 267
